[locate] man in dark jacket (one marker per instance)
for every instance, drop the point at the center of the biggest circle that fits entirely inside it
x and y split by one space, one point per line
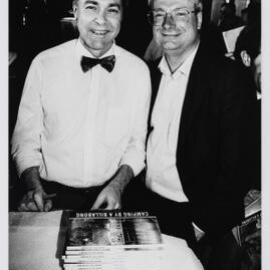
198 145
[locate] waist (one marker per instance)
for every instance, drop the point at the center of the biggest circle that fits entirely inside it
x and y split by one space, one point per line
54 187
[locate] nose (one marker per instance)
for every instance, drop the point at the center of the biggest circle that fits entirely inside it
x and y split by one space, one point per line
100 17
168 21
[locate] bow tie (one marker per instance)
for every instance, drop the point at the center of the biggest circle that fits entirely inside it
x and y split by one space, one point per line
106 62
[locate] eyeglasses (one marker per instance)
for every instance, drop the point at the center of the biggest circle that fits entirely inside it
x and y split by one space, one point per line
157 17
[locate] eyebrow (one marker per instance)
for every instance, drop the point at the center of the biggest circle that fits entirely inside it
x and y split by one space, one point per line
176 8
158 9
115 5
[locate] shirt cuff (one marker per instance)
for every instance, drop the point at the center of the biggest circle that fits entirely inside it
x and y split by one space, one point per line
26 163
136 166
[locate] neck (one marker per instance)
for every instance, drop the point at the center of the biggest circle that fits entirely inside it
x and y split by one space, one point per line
95 52
176 58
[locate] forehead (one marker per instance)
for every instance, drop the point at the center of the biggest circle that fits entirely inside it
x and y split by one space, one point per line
100 2
173 4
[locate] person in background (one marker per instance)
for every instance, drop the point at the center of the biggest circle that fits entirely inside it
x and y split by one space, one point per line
254 10
136 32
199 130
81 126
228 19
248 54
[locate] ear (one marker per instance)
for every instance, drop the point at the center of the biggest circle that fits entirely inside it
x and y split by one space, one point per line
75 11
245 58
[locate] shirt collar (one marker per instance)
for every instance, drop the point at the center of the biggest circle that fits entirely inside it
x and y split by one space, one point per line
184 69
82 51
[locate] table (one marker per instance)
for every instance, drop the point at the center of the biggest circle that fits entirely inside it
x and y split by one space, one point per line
36 242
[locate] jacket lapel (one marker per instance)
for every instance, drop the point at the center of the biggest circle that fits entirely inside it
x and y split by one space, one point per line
155 79
195 92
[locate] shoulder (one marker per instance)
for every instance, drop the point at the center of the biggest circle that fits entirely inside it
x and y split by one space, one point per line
56 54
219 74
215 66
131 61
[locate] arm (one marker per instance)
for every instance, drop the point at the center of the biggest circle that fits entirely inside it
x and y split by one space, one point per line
132 161
223 206
110 196
35 199
26 145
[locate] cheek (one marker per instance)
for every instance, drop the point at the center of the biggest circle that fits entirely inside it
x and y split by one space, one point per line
115 25
82 24
157 34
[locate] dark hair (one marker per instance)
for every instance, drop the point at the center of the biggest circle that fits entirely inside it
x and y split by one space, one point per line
249 40
230 5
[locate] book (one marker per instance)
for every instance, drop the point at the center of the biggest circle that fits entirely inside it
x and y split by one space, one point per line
111 240
252 221
249 226
105 229
253 207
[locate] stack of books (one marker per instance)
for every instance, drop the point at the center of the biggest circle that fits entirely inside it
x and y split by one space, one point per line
112 240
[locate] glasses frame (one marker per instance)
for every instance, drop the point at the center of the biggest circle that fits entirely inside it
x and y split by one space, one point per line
150 15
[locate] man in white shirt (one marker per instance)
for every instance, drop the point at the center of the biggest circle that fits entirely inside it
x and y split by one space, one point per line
198 132
81 126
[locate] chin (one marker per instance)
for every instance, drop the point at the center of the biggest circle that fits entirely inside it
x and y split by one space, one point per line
98 46
169 46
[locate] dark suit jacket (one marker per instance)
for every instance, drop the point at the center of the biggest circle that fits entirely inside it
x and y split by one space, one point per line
213 153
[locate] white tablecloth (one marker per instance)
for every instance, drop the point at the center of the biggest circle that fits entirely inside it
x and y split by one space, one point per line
36 242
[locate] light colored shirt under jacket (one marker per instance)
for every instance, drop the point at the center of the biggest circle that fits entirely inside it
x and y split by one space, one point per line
80 127
162 176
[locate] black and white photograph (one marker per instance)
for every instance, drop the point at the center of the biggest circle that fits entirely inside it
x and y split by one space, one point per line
149 117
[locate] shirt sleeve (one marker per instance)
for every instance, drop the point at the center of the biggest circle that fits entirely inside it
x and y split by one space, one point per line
134 155
26 143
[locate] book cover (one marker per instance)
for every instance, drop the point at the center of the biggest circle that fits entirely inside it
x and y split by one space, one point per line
111 228
249 227
112 240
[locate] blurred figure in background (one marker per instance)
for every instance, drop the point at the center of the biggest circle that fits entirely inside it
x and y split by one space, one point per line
136 32
248 54
228 19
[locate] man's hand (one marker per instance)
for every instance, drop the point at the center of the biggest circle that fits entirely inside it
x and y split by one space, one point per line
110 197
35 198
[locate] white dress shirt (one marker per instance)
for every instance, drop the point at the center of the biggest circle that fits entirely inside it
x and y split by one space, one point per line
162 176
80 127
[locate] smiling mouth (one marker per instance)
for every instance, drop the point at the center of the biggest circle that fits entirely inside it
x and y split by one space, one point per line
100 33
170 34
